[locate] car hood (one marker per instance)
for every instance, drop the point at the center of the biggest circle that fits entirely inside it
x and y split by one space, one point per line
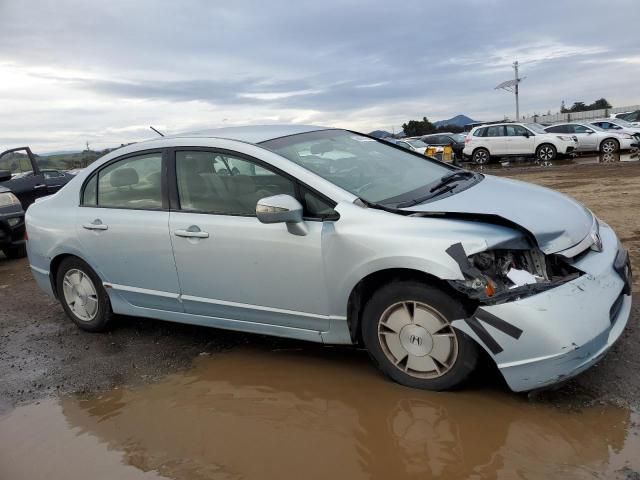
4 189
555 220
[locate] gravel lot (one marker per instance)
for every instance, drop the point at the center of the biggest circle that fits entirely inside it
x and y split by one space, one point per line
42 353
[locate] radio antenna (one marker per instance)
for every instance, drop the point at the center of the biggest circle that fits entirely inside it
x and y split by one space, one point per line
157 131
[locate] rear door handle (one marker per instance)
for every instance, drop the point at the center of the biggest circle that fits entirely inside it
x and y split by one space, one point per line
96 225
191 232
39 186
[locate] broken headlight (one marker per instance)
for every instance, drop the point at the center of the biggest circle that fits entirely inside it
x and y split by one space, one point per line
496 275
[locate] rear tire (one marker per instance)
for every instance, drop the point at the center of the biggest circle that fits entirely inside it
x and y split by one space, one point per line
406 328
481 156
609 145
82 295
15 252
546 152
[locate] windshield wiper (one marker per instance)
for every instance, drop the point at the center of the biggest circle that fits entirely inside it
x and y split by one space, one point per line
452 177
443 186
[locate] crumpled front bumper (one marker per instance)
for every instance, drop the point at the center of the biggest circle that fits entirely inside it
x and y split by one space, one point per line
551 336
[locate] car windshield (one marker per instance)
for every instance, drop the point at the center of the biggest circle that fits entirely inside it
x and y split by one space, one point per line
535 127
370 169
458 138
417 143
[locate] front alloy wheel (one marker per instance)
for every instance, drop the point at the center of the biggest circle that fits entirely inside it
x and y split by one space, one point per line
546 153
406 328
609 146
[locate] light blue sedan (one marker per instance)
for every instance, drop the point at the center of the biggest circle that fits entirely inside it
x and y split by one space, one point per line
331 236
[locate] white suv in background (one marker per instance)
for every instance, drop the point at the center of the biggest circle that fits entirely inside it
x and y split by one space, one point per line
515 139
594 139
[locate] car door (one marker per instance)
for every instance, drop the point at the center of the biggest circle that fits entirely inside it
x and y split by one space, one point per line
587 138
520 141
54 180
495 140
230 265
123 227
27 182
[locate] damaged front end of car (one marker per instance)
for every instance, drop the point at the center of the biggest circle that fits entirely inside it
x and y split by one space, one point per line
500 275
544 317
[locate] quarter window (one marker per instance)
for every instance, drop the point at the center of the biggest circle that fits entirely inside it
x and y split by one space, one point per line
211 182
134 182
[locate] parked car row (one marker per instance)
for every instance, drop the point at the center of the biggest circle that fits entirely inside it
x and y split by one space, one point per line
22 182
485 142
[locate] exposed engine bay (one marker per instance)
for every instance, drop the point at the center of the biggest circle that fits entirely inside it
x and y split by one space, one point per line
494 276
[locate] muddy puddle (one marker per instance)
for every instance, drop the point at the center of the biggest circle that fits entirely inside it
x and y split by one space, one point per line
307 414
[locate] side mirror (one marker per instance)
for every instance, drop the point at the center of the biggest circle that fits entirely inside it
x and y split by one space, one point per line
5 175
526 134
589 132
282 209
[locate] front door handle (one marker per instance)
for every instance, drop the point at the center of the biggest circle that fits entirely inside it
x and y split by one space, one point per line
39 186
192 232
96 225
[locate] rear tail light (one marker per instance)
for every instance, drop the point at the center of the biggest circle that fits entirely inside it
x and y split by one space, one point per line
467 139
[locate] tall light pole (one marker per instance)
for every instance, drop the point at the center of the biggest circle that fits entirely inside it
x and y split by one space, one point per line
512 86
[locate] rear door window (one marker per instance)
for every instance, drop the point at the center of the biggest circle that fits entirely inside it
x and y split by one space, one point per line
495 131
133 182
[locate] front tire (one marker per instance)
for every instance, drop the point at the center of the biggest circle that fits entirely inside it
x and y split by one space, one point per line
82 295
407 331
481 156
609 145
546 152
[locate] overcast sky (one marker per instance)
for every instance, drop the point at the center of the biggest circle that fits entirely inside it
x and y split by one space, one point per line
103 71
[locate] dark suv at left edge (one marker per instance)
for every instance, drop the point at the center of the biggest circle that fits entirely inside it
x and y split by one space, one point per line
21 183
11 224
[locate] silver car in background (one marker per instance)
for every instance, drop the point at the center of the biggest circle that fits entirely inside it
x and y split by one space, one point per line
592 138
332 236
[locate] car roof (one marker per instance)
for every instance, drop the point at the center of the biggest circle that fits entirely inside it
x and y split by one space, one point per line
251 133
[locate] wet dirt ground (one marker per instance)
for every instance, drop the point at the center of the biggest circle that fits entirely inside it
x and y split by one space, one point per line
153 399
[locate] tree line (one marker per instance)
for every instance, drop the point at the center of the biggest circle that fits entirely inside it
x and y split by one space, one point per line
416 128
600 104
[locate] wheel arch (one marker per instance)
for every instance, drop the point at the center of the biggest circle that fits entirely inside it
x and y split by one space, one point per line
55 263
370 283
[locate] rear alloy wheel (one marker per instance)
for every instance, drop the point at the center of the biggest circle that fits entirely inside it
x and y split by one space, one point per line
481 156
546 152
609 146
407 331
82 295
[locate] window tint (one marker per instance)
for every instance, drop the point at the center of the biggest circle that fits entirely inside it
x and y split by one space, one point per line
214 183
516 131
581 129
480 132
90 195
134 182
495 131
556 129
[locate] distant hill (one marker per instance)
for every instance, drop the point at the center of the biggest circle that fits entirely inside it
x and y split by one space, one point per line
381 134
458 121
61 152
